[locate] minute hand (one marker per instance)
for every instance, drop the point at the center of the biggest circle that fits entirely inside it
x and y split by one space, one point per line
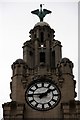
45 93
30 95
41 94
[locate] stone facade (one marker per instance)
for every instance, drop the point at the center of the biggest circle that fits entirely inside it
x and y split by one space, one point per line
42 58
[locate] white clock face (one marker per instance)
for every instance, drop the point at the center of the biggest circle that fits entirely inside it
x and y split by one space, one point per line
42 95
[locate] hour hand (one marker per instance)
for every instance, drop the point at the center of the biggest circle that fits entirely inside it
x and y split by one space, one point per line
43 94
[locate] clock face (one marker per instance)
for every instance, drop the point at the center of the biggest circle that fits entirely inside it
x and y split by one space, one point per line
42 95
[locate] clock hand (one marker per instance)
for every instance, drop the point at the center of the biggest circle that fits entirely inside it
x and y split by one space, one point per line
30 95
41 94
48 91
45 93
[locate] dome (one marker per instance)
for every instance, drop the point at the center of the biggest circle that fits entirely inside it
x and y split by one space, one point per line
41 24
19 61
65 60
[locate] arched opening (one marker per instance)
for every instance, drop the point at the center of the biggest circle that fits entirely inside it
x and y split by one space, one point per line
42 36
42 57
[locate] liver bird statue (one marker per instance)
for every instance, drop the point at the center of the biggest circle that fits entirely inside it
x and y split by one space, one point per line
41 13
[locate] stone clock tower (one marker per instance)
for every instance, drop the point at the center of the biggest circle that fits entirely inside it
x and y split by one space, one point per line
43 84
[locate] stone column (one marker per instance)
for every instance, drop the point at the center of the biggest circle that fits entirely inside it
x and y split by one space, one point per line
36 52
47 53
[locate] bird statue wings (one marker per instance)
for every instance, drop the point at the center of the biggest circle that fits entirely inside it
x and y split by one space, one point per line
41 13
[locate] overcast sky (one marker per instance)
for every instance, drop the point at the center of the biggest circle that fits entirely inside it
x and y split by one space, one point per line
16 21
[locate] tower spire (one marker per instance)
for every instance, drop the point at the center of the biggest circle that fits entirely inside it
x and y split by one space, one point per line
41 13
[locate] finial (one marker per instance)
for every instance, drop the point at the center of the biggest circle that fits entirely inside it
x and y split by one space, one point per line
41 13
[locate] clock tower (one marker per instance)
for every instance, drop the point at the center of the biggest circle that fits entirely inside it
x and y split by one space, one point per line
43 85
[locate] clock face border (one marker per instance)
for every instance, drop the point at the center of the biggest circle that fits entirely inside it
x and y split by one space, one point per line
33 83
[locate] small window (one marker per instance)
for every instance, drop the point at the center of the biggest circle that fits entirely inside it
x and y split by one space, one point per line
34 35
42 57
42 36
42 46
30 53
48 35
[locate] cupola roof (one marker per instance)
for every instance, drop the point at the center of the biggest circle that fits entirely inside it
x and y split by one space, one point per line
42 24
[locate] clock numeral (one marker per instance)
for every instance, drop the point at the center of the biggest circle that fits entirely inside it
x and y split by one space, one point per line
46 105
31 101
54 89
55 94
39 105
31 90
36 105
33 87
30 98
39 85
54 100
46 84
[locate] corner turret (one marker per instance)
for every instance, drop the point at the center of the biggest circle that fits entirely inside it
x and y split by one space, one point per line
66 66
18 80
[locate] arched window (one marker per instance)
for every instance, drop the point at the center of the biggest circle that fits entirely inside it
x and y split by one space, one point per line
42 36
42 57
